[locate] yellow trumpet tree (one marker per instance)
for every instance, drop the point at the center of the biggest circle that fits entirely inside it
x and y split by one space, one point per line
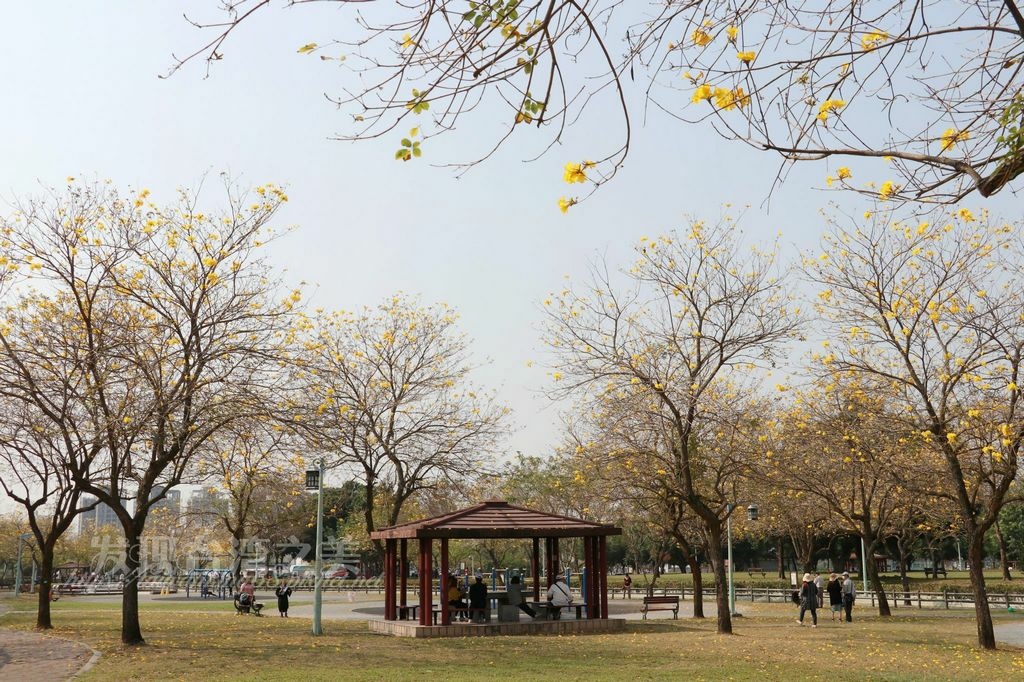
695 315
385 394
837 445
174 326
933 311
805 82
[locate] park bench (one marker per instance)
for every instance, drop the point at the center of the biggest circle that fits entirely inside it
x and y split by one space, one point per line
661 604
752 571
934 572
244 607
546 611
436 612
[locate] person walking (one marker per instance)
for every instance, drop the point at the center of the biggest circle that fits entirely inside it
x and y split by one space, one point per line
282 593
834 587
808 601
849 596
627 587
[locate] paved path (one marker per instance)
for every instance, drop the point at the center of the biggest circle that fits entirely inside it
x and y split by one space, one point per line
34 657
1010 633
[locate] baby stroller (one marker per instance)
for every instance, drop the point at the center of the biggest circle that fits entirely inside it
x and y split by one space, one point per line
246 603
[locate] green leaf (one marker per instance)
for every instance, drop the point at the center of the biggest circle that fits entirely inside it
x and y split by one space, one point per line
307 48
479 21
406 142
469 16
416 151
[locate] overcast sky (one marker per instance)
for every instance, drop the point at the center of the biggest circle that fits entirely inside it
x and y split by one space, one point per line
82 97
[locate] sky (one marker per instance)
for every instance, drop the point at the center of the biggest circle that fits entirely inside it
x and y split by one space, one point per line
83 98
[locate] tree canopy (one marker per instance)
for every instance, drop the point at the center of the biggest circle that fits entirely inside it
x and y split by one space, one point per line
931 90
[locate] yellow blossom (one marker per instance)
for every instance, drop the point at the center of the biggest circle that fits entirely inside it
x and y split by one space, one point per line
746 57
702 93
724 99
870 41
888 189
574 172
701 37
965 215
951 136
564 204
830 106
731 32
843 173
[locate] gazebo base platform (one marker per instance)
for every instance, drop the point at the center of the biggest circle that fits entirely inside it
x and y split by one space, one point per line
401 628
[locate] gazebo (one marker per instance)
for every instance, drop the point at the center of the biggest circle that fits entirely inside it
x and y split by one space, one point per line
493 519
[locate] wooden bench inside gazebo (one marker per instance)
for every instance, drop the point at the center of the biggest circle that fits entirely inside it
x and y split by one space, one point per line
493 519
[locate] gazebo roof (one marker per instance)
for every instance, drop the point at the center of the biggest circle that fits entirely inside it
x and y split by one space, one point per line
496 519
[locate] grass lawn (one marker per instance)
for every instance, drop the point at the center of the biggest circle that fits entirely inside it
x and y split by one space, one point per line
194 643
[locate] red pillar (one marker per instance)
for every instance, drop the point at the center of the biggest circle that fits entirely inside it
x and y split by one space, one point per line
403 567
426 581
556 557
602 567
548 575
446 614
536 569
389 580
588 568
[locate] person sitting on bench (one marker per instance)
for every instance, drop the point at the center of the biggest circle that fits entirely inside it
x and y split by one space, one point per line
455 599
559 595
516 598
478 599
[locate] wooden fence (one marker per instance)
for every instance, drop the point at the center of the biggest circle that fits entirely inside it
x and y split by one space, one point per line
897 600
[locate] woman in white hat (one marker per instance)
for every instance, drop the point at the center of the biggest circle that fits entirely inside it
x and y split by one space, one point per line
808 601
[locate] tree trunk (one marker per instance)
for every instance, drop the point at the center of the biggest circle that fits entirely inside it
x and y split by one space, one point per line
904 578
982 613
236 562
45 583
876 581
1003 562
371 484
721 582
780 556
131 630
803 552
698 586
691 559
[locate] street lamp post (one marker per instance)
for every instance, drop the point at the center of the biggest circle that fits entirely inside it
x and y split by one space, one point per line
728 535
17 573
315 481
864 565
751 516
